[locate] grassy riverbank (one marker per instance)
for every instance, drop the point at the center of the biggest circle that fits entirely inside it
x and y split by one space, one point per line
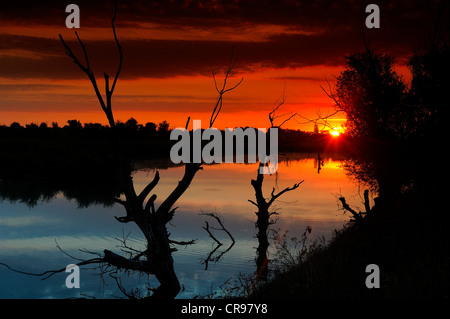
408 241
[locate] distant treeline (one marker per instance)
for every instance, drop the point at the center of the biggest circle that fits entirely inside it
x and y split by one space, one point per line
85 152
132 131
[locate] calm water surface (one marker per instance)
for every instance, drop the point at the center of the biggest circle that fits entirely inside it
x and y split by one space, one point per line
29 235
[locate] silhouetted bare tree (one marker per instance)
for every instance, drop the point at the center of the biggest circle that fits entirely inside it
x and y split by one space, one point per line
265 219
157 258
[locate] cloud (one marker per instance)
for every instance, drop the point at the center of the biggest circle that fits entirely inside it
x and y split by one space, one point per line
170 49
26 221
20 87
311 14
166 39
47 243
169 58
188 12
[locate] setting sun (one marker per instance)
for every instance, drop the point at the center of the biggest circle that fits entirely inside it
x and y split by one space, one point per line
335 132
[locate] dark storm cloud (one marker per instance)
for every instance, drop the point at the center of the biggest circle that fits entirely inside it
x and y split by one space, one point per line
315 13
161 58
183 12
404 25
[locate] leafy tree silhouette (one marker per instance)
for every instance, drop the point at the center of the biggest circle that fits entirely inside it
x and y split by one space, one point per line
371 94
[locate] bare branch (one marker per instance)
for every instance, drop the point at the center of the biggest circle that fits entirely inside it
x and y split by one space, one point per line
356 216
232 88
211 235
220 221
119 201
128 249
294 114
287 189
182 243
106 106
118 47
149 188
190 169
150 206
224 90
366 201
279 102
49 273
120 262
253 202
84 51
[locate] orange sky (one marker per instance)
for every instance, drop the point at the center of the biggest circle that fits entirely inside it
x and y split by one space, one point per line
170 51
174 99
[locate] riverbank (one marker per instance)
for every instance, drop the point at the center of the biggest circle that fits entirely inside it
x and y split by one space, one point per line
407 241
83 154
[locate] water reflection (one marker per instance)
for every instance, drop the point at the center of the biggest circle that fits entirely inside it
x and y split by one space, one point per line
28 233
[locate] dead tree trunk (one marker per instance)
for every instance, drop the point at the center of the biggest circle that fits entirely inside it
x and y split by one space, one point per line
157 258
357 216
264 220
152 222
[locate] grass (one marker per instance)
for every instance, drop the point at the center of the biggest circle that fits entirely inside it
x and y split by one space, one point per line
408 242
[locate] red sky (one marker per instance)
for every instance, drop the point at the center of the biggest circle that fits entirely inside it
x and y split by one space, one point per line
170 49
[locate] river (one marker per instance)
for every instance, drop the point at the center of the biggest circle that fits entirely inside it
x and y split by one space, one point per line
42 236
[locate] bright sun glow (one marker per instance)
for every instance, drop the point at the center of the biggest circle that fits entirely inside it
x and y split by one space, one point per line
335 132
